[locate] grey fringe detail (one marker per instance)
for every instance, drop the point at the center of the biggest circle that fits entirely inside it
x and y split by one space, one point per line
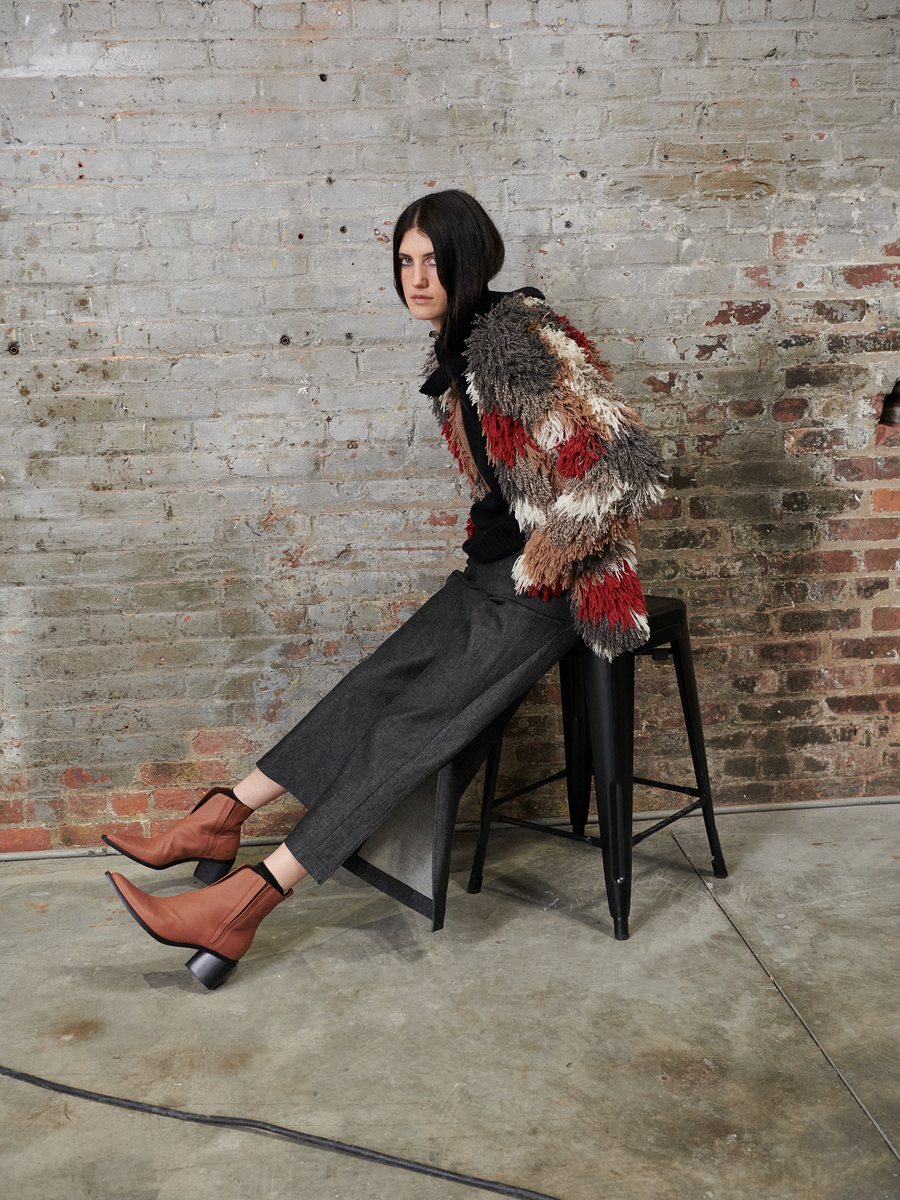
609 641
509 364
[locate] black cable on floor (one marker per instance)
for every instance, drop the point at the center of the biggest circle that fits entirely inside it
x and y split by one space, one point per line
293 1135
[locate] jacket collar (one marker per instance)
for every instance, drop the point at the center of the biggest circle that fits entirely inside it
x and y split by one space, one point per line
454 364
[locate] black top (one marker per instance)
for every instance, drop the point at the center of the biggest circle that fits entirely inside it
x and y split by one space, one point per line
493 532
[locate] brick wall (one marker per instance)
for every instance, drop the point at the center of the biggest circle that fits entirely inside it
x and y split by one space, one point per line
220 487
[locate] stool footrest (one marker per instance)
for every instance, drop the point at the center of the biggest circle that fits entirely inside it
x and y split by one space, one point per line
682 812
667 787
563 833
532 787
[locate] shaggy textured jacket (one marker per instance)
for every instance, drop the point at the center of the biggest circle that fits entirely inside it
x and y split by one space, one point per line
575 465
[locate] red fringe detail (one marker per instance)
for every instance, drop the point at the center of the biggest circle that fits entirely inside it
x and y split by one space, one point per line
545 592
579 453
615 598
587 346
506 437
470 528
447 431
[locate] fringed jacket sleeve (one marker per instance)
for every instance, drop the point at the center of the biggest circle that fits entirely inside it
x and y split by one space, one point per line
576 466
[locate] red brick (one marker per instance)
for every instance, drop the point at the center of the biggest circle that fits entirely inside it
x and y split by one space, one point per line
874 647
882 560
12 812
14 841
825 679
790 408
817 562
741 409
871 275
77 777
86 805
271 824
128 804
885 618
864 704
668 509
179 799
886 676
226 742
886 433
740 314
813 441
184 773
816 620
874 529
747 792
789 652
886 500
866 589
854 469
90 835
14 785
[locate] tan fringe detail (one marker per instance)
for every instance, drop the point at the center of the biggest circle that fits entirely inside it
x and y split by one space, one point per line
545 564
458 433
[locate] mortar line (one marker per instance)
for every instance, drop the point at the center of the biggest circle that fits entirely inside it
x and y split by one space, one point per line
711 892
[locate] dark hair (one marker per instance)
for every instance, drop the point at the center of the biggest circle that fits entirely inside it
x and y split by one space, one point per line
468 252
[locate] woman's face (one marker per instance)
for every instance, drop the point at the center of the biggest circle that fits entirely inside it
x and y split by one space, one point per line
422 290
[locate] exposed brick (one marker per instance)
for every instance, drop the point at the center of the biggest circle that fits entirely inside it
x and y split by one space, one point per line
822 375
872 530
819 562
839 312
789 652
885 618
17 841
886 676
813 441
77 777
814 621
882 560
208 527
91 835
871 275
886 500
181 799
222 742
864 704
872 647
212 771
12 812
825 679
129 804
866 589
790 408
86 806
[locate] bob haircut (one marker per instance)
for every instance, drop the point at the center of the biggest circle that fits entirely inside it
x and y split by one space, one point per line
468 252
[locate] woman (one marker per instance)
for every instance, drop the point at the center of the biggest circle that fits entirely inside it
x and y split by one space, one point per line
560 471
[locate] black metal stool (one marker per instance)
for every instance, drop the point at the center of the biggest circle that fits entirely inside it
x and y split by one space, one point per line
598 729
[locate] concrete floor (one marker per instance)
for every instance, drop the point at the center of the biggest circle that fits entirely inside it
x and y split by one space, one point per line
522 1043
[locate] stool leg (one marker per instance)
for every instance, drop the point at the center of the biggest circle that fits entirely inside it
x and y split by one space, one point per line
577 741
690 705
609 693
491 771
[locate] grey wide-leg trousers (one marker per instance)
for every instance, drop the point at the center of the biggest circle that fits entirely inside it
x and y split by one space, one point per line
408 727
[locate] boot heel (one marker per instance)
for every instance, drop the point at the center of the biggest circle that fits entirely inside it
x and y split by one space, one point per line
210 871
210 969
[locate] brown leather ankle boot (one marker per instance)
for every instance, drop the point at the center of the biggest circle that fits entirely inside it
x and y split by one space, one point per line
219 921
211 832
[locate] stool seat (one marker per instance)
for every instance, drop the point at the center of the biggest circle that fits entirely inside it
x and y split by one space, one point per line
598 733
